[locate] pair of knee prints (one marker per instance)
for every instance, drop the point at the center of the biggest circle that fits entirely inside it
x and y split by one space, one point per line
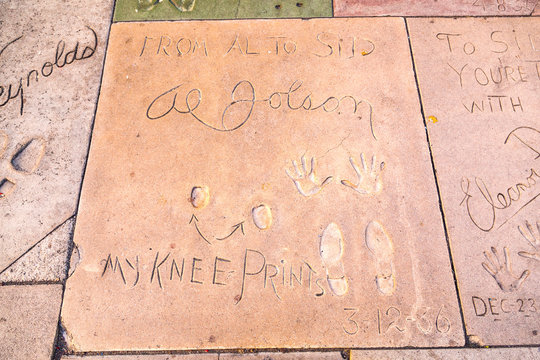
379 243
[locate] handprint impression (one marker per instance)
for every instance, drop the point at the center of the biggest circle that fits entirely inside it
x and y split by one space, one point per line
369 180
307 182
502 272
533 239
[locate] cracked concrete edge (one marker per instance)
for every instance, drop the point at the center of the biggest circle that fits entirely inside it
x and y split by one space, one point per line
46 261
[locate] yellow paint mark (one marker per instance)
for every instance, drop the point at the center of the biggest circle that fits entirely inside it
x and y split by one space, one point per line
265 186
162 199
364 52
432 119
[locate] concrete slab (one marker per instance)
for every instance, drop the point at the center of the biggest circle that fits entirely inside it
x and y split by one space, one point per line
479 80
292 206
284 356
140 10
46 261
433 7
448 354
222 356
143 357
28 321
50 68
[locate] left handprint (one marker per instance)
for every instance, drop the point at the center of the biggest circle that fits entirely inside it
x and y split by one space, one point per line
306 181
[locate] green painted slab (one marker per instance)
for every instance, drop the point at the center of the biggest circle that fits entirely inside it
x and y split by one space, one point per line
141 10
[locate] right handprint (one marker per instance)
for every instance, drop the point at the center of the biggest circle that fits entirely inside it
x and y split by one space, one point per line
369 178
533 238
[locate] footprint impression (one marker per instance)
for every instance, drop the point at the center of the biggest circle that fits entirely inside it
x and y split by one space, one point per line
381 247
331 251
25 160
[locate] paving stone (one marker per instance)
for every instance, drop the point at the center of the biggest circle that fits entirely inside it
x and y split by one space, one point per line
479 80
138 10
144 357
536 11
450 354
28 321
306 217
284 356
433 7
50 68
46 261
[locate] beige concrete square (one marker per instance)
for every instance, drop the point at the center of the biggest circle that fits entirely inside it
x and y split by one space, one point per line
434 7
28 321
479 80
260 184
50 67
448 354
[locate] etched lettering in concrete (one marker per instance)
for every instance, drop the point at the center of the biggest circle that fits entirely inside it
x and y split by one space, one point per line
479 79
260 185
50 68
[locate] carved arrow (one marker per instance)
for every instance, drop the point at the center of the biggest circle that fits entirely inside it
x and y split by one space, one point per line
195 220
239 225
193 217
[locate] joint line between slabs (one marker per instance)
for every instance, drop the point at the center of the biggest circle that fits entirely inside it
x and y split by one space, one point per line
441 208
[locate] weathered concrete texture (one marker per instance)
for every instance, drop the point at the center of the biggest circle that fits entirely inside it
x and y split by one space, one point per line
536 11
50 67
28 321
289 207
46 261
449 354
433 7
479 81
138 10
144 357
284 356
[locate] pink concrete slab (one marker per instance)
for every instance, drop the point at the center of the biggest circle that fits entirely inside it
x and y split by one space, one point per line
259 184
433 7
479 80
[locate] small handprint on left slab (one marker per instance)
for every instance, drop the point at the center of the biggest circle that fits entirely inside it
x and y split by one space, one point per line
24 161
305 178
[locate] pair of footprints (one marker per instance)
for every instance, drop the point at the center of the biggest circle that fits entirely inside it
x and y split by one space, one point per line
379 244
500 268
24 161
369 180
